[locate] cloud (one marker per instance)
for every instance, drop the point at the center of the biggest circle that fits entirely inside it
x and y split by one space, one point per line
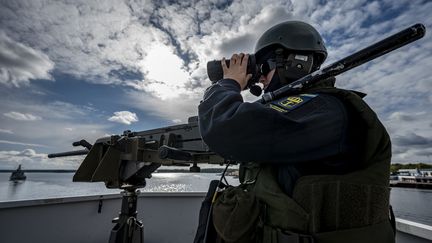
62 124
179 108
22 116
414 140
30 159
410 134
22 144
20 63
402 116
124 117
158 81
157 52
6 131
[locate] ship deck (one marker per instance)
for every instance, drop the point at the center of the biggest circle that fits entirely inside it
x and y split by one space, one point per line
167 217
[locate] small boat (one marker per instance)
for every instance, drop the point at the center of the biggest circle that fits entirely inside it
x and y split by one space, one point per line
17 175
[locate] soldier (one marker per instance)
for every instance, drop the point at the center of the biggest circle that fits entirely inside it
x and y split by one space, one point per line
314 165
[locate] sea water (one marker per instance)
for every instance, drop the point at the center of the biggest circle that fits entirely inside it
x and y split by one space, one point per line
408 203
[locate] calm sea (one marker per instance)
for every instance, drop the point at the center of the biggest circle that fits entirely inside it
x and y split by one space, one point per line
411 204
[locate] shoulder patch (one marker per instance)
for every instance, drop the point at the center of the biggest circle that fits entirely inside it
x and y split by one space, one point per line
291 102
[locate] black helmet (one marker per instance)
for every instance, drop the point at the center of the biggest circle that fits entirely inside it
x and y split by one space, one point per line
292 35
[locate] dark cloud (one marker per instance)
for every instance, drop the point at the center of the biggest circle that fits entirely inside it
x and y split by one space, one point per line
20 63
400 116
424 152
238 44
412 139
125 74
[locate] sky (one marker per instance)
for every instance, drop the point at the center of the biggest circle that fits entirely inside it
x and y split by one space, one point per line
80 69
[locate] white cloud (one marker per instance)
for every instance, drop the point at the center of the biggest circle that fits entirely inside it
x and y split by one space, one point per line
164 72
22 116
22 144
30 159
54 130
20 63
169 45
179 108
124 117
6 131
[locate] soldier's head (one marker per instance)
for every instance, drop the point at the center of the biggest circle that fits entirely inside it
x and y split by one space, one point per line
287 52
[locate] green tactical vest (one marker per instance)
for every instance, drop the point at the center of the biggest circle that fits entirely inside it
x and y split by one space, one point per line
353 207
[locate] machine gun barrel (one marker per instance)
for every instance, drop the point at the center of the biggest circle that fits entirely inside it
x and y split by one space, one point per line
367 54
70 153
166 152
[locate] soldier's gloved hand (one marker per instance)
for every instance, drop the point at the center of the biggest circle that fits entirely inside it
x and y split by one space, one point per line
237 69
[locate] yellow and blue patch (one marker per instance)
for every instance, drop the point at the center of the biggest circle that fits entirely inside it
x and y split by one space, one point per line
291 102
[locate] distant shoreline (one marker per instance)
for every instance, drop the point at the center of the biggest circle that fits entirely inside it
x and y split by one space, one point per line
40 171
167 170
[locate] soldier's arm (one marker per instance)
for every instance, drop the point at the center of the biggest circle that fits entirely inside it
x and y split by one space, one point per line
253 132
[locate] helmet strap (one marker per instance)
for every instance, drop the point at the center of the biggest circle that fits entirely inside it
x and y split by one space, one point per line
294 67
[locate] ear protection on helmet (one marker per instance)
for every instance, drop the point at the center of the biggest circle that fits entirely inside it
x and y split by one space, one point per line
293 66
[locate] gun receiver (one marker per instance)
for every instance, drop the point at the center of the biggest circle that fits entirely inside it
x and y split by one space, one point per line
128 159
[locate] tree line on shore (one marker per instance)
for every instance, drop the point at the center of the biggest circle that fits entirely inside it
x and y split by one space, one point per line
397 166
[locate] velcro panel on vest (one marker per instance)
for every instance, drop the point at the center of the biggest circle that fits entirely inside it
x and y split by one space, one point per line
377 233
337 202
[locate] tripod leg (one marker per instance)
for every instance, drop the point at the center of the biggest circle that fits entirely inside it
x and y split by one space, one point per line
130 231
135 231
128 228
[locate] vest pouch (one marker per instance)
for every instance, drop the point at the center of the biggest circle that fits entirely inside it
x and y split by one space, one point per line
281 211
235 215
377 233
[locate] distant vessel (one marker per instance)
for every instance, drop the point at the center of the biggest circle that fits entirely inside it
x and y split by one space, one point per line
412 178
17 175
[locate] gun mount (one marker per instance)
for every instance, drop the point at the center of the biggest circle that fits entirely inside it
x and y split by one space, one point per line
124 161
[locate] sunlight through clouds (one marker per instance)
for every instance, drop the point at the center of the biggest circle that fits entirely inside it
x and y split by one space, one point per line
164 72
153 54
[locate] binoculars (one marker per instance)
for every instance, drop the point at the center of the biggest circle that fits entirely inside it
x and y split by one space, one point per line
215 73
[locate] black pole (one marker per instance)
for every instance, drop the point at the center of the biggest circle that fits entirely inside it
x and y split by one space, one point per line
367 54
128 228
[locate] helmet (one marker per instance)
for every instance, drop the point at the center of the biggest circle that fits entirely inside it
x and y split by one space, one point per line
292 35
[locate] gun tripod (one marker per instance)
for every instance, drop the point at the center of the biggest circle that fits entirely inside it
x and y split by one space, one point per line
128 228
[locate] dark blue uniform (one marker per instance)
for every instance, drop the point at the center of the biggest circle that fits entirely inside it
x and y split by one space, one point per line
304 134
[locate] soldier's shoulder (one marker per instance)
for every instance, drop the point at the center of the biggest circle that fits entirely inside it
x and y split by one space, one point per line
292 102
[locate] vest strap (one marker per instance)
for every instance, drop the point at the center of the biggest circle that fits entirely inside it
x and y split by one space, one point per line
275 235
291 237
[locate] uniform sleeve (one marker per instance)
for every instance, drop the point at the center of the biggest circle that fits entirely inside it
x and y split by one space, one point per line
254 132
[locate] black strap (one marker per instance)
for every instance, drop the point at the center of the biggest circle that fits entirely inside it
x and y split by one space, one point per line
280 66
205 231
291 237
392 219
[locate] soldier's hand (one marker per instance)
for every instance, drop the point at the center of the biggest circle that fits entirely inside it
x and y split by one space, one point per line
237 69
